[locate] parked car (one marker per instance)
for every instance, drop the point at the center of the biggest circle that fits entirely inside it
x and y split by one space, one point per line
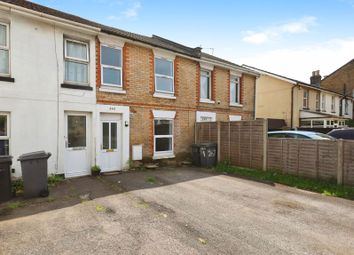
300 134
342 133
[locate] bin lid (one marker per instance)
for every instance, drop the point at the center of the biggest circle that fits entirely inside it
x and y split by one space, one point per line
5 159
204 144
34 155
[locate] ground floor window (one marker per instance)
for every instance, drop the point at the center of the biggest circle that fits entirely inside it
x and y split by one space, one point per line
4 134
163 136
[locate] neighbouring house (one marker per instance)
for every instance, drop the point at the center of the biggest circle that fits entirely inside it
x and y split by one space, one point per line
299 104
341 80
92 94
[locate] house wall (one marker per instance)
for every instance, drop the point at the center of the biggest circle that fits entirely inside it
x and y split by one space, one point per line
35 101
138 84
336 80
273 98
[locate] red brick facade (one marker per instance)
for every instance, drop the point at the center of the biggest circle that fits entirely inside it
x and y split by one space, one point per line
139 84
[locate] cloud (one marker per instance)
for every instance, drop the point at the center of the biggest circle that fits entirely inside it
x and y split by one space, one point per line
274 32
130 13
299 62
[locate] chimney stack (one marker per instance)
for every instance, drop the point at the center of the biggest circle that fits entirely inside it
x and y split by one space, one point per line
315 79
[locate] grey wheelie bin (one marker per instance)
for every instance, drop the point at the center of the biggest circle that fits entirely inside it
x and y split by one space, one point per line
204 154
34 167
5 178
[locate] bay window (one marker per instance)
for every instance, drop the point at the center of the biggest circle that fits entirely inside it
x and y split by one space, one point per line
111 66
4 134
235 90
164 76
76 55
4 50
205 85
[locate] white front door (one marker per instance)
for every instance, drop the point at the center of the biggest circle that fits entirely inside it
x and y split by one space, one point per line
77 144
110 149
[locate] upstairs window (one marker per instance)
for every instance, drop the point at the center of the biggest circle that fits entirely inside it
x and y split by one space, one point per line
306 99
318 103
333 104
346 107
111 66
76 56
235 90
164 76
4 49
205 85
323 102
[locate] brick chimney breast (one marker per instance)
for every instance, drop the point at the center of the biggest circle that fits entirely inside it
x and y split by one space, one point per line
315 79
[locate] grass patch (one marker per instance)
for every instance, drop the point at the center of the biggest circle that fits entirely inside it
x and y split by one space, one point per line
327 188
151 179
15 205
54 180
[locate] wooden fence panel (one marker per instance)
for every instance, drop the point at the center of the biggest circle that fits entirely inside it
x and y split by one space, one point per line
242 143
348 162
327 160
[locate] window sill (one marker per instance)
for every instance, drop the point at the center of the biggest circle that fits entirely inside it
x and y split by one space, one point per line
306 108
6 78
207 101
163 156
166 96
111 89
236 105
75 86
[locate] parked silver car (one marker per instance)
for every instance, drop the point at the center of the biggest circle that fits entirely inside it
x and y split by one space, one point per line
300 135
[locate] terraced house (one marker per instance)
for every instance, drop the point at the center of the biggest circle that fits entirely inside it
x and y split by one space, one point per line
92 94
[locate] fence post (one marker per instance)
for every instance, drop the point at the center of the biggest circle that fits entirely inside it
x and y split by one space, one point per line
265 144
218 141
340 161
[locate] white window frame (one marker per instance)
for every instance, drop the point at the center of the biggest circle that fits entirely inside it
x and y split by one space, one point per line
346 107
7 126
7 137
209 85
165 76
7 47
306 99
77 60
318 101
333 104
164 154
323 102
238 85
112 67
110 149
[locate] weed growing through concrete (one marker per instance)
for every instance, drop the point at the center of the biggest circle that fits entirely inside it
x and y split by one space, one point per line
53 180
151 180
15 205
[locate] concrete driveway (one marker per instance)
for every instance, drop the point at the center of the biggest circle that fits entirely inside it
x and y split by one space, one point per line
179 211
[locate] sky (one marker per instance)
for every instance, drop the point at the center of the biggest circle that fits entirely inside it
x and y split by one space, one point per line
287 37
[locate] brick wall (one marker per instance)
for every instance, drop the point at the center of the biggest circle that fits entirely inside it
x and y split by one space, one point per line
138 81
336 81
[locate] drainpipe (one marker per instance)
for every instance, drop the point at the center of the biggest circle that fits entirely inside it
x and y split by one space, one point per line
292 105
